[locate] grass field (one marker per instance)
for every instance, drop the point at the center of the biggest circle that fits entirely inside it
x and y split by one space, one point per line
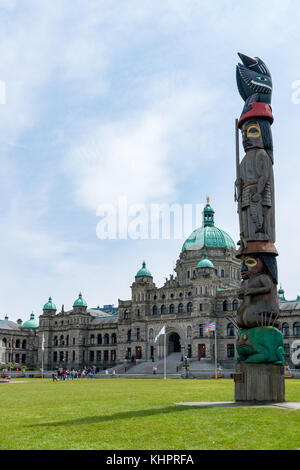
119 414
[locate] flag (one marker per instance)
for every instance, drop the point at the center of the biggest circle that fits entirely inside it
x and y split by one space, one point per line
162 332
43 342
210 327
11 342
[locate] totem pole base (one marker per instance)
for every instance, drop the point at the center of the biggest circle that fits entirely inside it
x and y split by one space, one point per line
259 383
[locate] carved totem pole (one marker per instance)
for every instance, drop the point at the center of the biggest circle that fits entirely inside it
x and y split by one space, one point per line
259 339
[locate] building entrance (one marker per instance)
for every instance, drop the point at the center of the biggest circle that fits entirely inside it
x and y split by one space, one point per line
174 343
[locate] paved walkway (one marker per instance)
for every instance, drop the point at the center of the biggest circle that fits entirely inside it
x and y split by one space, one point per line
233 404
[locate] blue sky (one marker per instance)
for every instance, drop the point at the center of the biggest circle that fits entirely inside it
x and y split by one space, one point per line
137 99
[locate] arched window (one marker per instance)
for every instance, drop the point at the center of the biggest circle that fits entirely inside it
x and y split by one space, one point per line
99 339
62 340
106 338
296 329
24 344
230 329
172 308
235 305
230 350
92 340
126 315
180 308
114 338
4 342
285 329
55 356
225 306
17 343
129 335
55 342
190 307
163 309
154 310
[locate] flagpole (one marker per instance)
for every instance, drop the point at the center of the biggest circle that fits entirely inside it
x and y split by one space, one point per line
216 374
11 340
165 362
43 347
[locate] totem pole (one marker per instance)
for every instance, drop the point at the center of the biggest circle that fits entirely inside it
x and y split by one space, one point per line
259 343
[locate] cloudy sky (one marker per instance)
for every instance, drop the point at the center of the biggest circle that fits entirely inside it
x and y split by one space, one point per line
136 100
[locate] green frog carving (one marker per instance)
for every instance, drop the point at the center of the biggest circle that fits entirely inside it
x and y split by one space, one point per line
261 344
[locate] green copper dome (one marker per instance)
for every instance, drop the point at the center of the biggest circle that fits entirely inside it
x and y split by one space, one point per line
49 305
205 262
32 323
208 235
143 271
80 302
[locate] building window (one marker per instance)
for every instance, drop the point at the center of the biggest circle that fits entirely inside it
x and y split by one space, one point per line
151 334
189 332
200 307
73 356
74 341
62 341
286 350
154 310
129 335
106 338
137 334
225 306
230 350
99 339
296 329
180 308
163 309
114 338
113 355
222 273
92 356
126 315
285 329
201 331
106 356
98 356
92 340
55 341
55 356
190 307
235 305
172 308
230 329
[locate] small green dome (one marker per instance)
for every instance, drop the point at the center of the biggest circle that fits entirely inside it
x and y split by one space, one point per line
208 235
49 305
143 271
281 293
80 302
32 323
205 262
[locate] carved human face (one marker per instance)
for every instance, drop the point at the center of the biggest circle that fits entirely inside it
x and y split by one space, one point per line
251 134
251 265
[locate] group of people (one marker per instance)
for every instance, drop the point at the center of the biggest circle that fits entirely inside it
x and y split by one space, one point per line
66 374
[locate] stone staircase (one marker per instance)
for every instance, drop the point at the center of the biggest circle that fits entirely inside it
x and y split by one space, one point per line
146 367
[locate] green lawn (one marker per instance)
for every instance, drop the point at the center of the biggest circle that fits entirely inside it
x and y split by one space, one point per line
139 414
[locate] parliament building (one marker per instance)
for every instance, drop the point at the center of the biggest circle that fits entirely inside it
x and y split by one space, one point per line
203 289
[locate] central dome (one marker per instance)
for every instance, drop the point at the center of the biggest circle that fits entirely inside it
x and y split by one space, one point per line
208 235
